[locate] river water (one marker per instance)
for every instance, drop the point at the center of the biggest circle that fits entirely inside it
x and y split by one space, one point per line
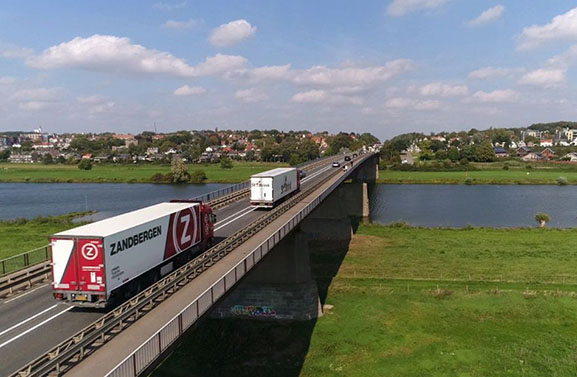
476 205
419 205
42 199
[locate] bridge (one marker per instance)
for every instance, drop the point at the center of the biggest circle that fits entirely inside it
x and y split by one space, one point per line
260 267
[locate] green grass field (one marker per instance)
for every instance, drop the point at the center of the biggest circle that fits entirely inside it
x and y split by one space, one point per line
124 173
431 302
22 235
417 302
512 176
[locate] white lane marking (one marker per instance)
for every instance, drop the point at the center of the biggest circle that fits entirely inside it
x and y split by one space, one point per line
24 294
317 173
34 327
27 320
233 220
231 216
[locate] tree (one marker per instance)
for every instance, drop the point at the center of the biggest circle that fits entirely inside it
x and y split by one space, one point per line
85 164
226 163
542 219
4 155
485 153
501 136
198 176
453 154
179 171
47 159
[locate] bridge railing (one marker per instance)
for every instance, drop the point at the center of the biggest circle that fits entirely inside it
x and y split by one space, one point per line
143 357
223 191
23 260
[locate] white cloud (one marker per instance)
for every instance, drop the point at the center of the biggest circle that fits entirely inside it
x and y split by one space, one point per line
91 99
170 6
400 103
250 95
39 94
232 33
489 73
402 7
32 106
561 27
565 59
547 78
181 25
110 54
487 16
437 89
326 97
321 75
186 90
96 104
497 96
9 51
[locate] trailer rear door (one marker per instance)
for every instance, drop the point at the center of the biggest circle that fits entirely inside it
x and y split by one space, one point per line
77 265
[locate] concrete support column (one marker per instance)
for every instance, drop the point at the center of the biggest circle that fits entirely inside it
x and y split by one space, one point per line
279 287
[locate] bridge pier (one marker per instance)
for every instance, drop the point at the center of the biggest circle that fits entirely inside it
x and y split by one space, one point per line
280 287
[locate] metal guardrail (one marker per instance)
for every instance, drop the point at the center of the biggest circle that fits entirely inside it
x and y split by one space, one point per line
24 279
23 260
73 350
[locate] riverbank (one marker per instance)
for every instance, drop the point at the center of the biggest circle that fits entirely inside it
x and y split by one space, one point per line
21 235
481 177
416 302
111 173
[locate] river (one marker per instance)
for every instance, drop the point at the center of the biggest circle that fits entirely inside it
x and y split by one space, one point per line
476 205
108 199
419 205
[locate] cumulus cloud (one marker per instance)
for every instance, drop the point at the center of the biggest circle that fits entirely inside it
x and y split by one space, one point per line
547 78
561 27
401 103
350 76
402 7
487 16
232 33
33 106
496 96
325 97
250 95
110 54
186 90
437 89
7 80
489 73
9 51
181 25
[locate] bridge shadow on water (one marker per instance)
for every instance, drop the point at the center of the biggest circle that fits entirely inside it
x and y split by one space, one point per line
247 347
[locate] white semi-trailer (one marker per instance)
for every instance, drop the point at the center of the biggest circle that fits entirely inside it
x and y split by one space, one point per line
269 187
94 264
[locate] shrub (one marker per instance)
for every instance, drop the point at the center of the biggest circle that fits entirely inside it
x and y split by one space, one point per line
528 167
562 181
226 163
85 164
468 181
399 224
506 166
464 161
198 176
161 178
542 219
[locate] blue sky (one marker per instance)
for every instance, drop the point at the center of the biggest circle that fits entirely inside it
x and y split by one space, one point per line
385 67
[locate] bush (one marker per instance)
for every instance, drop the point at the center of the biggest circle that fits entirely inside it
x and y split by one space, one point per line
161 178
85 164
542 219
528 167
506 166
464 161
198 176
226 163
468 181
562 181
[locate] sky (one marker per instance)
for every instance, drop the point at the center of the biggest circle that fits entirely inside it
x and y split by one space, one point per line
385 67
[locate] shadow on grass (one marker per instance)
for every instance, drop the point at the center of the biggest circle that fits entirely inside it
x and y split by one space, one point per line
248 347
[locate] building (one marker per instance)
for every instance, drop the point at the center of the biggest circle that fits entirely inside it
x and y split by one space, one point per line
523 151
546 142
501 152
548 153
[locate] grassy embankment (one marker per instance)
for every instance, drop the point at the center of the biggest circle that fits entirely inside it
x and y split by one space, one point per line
419 302
22 235
546 175
124 173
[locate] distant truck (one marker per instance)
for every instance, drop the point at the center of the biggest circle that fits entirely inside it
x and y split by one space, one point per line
96 264
270 187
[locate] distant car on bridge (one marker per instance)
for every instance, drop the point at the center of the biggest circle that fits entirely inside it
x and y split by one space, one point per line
347 158
336 164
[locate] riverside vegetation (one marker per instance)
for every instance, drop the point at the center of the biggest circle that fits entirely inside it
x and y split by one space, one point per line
417 302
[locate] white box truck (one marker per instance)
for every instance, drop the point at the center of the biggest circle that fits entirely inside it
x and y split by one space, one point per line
269 187
94 264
